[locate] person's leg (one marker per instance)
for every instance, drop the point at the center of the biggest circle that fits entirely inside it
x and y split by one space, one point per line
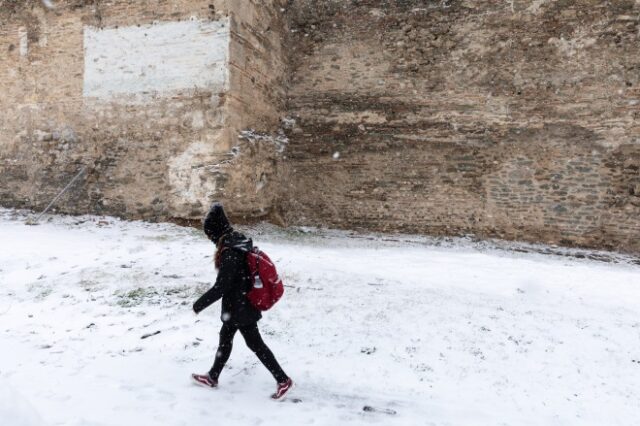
256 344
224 349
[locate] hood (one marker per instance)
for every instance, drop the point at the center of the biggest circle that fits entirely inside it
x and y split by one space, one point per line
238 241
216 223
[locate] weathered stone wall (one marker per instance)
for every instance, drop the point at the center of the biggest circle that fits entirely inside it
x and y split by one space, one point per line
257 71
141 93
516 119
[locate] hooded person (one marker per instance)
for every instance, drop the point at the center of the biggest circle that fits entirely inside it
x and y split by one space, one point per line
238 314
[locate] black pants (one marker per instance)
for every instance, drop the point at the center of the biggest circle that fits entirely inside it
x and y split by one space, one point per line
254 342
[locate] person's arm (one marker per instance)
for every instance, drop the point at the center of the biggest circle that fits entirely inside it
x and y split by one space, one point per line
230 273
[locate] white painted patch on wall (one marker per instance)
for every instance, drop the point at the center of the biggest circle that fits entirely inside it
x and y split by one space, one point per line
23 37
138 63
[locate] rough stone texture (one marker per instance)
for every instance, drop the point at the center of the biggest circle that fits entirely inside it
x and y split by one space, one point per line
516 119
258 70
167 156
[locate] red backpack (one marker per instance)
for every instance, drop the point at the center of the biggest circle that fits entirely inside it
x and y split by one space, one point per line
267 286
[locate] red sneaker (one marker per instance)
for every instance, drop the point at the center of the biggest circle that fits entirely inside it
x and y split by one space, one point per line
205 380
282 389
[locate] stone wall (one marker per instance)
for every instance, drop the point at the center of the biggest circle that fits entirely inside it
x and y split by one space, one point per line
517 119
141 94
258 70
514 119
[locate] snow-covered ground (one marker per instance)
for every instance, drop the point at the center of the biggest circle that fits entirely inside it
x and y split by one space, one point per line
423 332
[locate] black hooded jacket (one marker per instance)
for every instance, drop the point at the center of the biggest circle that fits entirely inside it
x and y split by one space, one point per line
233 283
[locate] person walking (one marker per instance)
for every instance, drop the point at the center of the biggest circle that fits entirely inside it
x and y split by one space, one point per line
238 314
